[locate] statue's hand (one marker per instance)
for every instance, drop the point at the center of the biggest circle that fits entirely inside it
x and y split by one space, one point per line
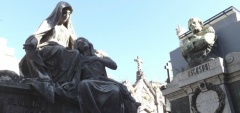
187 48
190 46
68 86
101 53
30 47
31 50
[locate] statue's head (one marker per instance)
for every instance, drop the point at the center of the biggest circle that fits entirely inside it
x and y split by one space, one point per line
66 12
195 25
61 13
82 44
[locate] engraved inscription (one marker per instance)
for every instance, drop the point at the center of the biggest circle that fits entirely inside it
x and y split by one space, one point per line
24 102
29 111
25 105
199 69
207 102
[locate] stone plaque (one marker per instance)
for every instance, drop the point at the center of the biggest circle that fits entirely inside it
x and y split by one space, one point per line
199 69
180 105
207 102
208 98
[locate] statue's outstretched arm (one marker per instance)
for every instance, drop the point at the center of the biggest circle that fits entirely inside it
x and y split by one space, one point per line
106 61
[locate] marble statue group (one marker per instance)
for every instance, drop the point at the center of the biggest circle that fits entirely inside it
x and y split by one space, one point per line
58 63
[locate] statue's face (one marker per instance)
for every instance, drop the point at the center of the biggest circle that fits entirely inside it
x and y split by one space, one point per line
65 15
82 45
195 26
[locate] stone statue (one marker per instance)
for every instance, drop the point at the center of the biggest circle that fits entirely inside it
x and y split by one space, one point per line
139 63
97 92
51 59
56 64
199 47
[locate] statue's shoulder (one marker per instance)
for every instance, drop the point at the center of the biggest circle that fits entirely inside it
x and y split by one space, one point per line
208 29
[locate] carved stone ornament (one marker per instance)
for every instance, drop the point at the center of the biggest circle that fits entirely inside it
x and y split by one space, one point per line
207 89
229 58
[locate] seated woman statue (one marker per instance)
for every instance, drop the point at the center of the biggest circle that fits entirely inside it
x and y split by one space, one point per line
199 47
97 93
50 53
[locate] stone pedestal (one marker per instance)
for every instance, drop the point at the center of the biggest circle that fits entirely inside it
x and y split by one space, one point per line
211 87
20 98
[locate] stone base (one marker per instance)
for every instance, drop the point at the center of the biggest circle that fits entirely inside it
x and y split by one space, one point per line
211 87
20 98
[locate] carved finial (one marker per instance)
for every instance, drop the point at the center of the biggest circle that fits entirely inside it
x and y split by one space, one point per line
139 63
139 72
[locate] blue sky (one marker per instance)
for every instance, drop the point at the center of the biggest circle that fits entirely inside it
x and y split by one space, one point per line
124 29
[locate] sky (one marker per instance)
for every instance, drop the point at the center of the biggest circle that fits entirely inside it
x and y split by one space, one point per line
124 29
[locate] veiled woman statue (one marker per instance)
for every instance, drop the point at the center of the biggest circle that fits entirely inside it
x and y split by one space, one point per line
97 93
50 54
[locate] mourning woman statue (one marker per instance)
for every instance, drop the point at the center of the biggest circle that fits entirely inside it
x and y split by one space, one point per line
50 54
97 92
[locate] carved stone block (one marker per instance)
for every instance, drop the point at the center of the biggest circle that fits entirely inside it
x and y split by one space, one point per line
180 105
19 98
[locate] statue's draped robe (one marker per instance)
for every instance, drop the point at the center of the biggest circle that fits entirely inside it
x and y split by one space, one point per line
54 56
99 94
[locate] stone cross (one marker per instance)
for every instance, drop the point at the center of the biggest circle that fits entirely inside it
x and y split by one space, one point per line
139 63
168 67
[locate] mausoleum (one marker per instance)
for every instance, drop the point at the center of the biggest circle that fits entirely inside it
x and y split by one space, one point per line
148 93
203 83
